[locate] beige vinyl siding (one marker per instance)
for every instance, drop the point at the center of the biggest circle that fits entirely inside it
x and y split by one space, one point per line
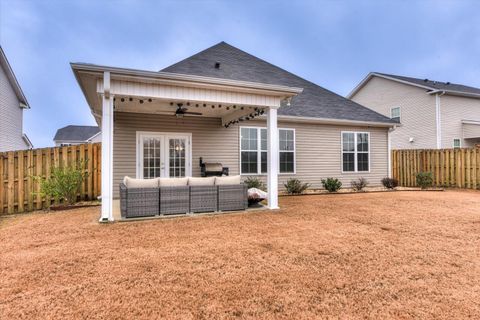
417 110
453 110
11 117
471 131
318 147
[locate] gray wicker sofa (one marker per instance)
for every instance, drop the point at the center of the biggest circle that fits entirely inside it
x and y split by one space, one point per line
169 196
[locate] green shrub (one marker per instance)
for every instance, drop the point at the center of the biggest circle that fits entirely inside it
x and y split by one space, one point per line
254 182
331 184
63 183
425 179
295 186
359 184
390 183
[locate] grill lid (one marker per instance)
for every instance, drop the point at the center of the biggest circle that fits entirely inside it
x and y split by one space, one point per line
213 167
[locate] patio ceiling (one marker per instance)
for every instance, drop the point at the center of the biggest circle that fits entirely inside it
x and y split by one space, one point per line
162 92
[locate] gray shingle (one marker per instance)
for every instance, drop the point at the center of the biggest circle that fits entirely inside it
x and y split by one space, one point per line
236 64
76 133
435 85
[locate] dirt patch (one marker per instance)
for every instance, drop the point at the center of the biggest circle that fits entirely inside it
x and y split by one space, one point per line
378 255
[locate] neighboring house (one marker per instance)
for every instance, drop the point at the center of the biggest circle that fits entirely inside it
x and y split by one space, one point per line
251 116
432 114
71 135
12 104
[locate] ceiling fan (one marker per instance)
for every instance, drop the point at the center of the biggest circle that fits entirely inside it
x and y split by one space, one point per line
181 111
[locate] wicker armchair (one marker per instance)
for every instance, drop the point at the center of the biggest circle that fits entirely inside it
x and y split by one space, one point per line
138 202
174 200
232 197
203 198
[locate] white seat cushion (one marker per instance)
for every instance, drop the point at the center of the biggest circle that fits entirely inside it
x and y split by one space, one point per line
207 181
173 182
227 180
141 183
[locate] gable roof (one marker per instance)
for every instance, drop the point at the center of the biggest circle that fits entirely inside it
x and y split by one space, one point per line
431 86
313 102
11 77
76 133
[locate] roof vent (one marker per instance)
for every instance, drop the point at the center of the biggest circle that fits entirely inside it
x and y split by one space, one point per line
447 83
217 65
426 80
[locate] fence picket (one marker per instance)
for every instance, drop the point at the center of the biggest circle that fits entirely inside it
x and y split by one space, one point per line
2 181
449 167
19 192
20 182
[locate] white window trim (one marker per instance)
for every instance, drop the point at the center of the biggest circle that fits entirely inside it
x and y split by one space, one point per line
259 152
399 113
139 151
453 143
355 152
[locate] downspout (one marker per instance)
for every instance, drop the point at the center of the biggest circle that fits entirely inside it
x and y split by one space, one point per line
438 118
389 148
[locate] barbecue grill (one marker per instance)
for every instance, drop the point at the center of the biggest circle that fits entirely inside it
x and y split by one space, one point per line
210 169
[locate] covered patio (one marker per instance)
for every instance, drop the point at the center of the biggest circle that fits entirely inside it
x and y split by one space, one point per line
118 94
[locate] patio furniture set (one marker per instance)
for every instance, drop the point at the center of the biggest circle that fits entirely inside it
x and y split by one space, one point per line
172 196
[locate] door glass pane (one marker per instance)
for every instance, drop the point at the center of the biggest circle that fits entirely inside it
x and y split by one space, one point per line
177 158
151 158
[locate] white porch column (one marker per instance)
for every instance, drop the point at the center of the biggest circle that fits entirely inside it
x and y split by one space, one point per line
107 151
272 158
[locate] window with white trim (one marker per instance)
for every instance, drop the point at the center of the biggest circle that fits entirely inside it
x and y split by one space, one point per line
395 113
457 144
355 151
253 150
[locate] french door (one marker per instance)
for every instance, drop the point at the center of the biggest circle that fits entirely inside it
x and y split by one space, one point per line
163 155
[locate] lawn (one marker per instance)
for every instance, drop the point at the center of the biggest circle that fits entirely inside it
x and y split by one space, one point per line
379 255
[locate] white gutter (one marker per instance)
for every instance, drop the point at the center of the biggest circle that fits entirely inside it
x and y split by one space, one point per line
389 150
438 118
337 121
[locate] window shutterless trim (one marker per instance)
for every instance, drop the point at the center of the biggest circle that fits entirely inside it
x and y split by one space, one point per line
259 151
355 152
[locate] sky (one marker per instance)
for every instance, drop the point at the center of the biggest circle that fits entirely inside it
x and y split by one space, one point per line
332 43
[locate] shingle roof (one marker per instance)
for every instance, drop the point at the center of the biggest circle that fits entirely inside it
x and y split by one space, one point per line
435 85
76 133
236 64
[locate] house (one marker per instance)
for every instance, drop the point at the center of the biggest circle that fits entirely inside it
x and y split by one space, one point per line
227 106
12 104
71 135
432 114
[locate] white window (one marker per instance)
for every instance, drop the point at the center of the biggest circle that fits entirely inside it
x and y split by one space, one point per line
457 143
253 150
355 151
395 113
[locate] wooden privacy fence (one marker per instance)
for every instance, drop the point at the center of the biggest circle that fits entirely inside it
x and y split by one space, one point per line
449 167
19 190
